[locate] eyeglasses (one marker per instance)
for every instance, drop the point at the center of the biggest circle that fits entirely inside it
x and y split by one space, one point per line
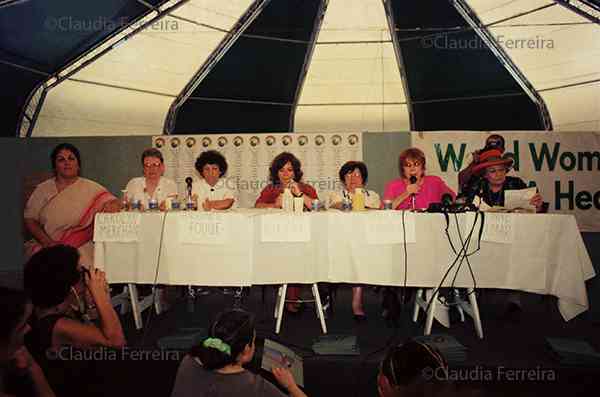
152 165
413 164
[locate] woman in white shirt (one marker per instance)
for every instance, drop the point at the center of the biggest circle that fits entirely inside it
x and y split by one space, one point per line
354 175
152 185
212 190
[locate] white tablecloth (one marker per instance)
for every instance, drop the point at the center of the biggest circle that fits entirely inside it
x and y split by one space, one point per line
546 254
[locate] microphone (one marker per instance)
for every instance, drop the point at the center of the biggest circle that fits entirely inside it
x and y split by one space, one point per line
446 200
188 182
413 180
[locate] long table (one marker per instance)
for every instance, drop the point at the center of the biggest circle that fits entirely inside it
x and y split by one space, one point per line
539 253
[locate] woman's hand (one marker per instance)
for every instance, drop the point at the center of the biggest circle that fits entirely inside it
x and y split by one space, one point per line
112 206
295 189
284 378
537 201
95 280
207 205
413 188
279 201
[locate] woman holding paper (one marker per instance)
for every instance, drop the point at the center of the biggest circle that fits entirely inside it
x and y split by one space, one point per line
216 366
415 190
493 166
286 173
61 210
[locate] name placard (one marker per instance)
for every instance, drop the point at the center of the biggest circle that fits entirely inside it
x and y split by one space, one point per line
498 228
388 227
285 228
203 228
120 227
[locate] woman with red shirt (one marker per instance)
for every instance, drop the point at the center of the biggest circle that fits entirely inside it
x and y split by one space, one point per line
285 172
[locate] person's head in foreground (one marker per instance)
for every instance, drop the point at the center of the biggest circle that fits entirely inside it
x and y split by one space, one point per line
230 341
211 165
15 310
354 174
411 162
229 346
284 169
413 369
52 277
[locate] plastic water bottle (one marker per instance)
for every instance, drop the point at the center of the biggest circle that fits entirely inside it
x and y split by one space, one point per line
358 200
287 201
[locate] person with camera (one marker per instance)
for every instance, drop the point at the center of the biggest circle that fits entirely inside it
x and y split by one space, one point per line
57 284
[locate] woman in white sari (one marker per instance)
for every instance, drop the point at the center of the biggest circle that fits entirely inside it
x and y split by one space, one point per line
61 210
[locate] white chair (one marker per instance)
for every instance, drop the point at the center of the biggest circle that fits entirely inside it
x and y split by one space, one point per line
430 305
281 301
137 306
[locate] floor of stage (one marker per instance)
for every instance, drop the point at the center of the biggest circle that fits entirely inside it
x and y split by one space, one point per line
514 345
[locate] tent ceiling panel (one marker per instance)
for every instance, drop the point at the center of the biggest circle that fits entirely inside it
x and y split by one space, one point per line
353 73
555 44
354 20
386 118
161 58
445 69
231 117
575 108
65 27
75 110
495 10
261 70
161 61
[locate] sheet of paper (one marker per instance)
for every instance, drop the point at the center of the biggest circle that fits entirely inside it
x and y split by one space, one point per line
203 228
120 227
285 228
277 355
519 198
386 227
499 228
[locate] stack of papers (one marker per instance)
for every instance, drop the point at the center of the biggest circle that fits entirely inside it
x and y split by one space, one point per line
574 352
452 350
279 356
344 345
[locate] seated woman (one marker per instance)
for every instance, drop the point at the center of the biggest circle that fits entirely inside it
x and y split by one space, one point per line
211 191
15 310
286 172
354 175
216 367
492 168
56 283
152 185
61 210
414 189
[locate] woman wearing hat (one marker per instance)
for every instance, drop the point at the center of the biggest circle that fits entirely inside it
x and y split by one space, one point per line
492 167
